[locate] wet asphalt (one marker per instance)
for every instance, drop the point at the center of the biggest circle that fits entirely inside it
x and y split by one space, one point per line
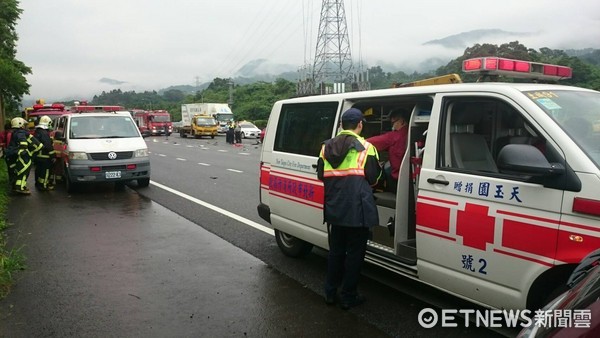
106 263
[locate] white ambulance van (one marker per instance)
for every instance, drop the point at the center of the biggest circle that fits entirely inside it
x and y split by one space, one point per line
499 190
100 146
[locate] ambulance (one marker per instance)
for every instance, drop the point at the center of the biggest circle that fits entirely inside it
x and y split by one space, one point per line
499 190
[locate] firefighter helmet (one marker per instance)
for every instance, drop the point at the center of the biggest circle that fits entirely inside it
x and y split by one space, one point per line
18 122
45 122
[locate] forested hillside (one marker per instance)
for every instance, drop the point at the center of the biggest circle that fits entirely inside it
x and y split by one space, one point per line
254 101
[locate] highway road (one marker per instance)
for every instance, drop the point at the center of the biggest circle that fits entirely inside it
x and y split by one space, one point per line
215 185
189 256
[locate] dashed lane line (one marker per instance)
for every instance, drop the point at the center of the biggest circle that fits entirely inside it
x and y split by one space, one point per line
235 170
215 208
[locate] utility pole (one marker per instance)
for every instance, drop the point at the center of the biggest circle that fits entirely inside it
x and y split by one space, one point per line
230 101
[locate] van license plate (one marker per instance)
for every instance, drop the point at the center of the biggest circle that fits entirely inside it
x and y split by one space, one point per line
112 174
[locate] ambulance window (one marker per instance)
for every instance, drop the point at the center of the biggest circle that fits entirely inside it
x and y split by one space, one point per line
303 127
476 131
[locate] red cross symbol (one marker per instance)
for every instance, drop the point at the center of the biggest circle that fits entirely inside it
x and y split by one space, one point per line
475 226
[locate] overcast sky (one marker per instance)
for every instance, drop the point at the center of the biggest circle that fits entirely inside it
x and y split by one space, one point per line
153 44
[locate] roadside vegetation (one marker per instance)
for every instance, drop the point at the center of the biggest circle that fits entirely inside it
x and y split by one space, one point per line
12 259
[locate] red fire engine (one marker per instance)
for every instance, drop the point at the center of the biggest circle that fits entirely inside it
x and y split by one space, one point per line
153 122
53 111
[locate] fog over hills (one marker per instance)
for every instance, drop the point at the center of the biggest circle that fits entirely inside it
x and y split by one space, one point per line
466 39
440 52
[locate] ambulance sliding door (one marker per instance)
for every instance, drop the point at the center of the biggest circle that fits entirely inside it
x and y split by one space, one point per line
483 233
295 193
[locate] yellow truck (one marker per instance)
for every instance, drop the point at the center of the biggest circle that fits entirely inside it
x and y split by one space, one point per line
198 125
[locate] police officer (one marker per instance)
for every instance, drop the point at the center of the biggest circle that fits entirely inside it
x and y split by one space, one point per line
46 156
22 147
348 166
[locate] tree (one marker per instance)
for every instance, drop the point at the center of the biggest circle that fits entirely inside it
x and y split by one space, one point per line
13 84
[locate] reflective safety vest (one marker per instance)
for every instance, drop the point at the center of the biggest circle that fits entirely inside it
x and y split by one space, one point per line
354 162
348 187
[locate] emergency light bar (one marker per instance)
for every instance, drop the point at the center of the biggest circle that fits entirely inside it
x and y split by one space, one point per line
517 68
54 106
95 109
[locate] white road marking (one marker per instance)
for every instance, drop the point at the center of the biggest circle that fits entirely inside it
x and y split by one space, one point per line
244 153
180 159
217 209
162 155
204 164
223 150
190 146
235 171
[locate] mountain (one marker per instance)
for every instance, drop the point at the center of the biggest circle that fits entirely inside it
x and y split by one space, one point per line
262 67
466 39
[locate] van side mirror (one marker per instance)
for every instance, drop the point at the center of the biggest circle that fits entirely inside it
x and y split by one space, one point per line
58 135
526 159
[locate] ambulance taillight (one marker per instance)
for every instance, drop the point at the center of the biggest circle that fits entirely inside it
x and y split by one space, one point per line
516 68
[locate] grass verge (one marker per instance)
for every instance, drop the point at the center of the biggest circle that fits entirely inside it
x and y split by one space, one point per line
11 260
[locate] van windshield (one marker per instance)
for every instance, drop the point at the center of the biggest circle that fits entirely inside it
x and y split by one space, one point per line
91 127
577 113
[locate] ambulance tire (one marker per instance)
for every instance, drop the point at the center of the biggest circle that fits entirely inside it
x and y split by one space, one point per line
292 246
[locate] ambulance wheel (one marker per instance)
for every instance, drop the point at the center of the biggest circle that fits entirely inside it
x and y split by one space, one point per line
292 246
143 182
182 134
212 136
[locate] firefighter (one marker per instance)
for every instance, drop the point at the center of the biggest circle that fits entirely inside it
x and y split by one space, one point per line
22 147
46 157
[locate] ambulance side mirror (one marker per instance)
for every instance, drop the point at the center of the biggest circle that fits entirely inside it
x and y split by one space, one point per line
526 159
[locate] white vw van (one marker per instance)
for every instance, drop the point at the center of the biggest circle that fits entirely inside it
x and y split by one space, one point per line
101 146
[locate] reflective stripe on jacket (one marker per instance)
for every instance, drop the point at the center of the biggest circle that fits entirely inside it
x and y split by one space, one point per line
348 166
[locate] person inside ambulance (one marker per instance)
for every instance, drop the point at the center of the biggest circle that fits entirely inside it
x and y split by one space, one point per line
22 147
395 143
45 157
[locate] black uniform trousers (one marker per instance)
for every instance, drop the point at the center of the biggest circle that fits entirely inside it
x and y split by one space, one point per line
347 247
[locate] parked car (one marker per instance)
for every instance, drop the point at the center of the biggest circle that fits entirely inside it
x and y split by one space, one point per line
581 301
249 130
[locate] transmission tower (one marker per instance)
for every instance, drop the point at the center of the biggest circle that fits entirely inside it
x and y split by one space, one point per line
333 61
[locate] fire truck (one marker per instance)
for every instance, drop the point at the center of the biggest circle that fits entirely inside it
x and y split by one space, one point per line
53 111
152 122
497 198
